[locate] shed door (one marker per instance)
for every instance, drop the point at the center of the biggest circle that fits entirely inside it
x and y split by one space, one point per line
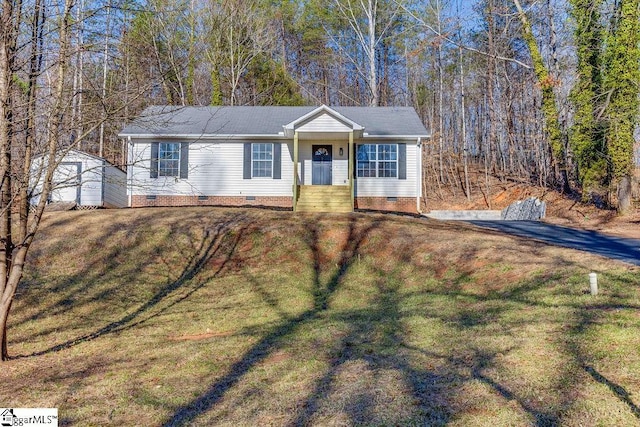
66 183
322 165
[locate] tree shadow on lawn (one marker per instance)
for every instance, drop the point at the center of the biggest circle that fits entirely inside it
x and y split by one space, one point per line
435 391
590 316
220 240
472 361
578 317
321 294
376 337
619 391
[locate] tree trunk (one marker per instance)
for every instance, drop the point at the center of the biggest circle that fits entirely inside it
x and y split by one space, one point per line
8 39
465 147
4 316
6 299
5 308
621 82
624 195
105 73
549 105
13 250
371 54
216 90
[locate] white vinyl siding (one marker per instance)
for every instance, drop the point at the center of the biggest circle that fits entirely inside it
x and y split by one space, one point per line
101 184
215 169
323 123
115 190
392 187
340 165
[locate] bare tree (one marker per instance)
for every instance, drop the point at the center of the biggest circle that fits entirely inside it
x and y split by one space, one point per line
37 127
364 18
239 33
15 164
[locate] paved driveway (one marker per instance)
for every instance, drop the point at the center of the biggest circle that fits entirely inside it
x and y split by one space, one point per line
618 248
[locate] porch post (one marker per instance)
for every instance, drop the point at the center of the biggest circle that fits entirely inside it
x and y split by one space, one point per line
351 166
295 170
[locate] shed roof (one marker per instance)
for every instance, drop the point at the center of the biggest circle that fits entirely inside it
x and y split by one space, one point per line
250 120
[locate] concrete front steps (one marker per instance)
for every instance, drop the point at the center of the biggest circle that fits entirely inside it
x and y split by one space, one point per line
324 198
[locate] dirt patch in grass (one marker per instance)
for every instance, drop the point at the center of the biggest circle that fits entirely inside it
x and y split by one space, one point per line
254 317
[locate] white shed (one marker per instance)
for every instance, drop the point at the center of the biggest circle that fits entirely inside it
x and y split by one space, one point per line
89 181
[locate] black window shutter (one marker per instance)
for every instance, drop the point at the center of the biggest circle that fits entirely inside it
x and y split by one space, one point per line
155 146
402 161
277 161
184 160
246 171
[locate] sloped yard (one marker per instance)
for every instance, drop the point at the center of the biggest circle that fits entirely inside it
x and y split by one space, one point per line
249 317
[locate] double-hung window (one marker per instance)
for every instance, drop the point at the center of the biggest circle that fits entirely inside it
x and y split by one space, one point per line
169 159
262 160
377 160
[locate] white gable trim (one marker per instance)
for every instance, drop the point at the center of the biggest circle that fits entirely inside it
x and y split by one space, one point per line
301 122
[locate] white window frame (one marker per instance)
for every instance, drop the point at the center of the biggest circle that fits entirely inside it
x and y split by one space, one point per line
377 161
255 145
161 170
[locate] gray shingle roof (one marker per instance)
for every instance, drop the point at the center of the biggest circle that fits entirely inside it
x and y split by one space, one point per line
163 120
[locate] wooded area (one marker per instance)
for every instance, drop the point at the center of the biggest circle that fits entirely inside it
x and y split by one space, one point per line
530 91
521 91
542 92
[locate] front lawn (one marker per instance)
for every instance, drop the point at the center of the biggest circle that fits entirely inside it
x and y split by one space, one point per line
252 317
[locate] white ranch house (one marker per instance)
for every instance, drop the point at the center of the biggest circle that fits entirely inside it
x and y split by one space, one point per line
305 158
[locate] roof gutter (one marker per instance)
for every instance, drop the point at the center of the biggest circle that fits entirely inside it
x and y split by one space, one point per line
215 136
412 137
236 137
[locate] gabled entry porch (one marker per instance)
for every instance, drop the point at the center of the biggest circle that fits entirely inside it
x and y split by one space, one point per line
323 161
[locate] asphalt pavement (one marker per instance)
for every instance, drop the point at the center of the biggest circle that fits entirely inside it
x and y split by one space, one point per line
618 248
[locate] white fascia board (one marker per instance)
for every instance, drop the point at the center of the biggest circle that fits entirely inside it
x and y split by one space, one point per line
404 137
216 136
290 127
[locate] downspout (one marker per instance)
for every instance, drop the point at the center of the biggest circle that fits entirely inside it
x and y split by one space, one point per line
103 177
350 170
295 169
129 166
419 175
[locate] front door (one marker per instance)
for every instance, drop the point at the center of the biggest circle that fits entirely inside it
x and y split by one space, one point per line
322 163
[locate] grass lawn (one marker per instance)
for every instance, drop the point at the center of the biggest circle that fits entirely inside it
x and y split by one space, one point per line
204 316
